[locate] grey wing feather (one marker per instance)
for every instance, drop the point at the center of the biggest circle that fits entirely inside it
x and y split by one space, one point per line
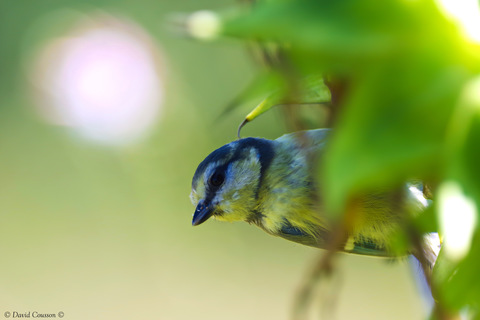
308 139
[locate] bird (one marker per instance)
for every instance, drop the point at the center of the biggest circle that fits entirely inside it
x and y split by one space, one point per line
271 184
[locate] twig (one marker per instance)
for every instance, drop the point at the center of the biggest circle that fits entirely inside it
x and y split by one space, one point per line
322 267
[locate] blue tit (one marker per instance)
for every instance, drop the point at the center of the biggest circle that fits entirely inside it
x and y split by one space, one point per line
269 183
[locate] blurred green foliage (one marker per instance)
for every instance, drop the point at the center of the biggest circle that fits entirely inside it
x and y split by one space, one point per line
104 232
404 81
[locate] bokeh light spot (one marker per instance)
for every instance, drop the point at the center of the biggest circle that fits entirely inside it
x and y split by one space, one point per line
203 25
102 79
465 13
458 219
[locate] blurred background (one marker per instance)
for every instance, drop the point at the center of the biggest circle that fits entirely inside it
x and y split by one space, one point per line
104 115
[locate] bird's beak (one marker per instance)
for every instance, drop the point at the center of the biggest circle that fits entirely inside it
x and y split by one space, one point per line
202 213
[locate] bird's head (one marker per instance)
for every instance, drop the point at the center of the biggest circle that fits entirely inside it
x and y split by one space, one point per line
226 184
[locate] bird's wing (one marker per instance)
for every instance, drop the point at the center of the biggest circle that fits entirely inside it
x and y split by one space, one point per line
308 139
367 248
317 136
363 247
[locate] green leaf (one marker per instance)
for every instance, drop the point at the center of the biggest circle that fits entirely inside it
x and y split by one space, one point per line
343 35
310 89
393 127
427 221
461 285
459 281
262 86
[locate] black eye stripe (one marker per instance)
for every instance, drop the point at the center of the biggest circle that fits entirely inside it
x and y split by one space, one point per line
217 178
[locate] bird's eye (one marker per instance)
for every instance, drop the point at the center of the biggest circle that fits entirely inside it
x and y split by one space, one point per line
217 179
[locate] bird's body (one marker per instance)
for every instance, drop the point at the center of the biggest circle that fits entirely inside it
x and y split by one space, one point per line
270 183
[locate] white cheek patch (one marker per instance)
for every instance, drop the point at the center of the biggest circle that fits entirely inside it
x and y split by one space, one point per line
241 175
